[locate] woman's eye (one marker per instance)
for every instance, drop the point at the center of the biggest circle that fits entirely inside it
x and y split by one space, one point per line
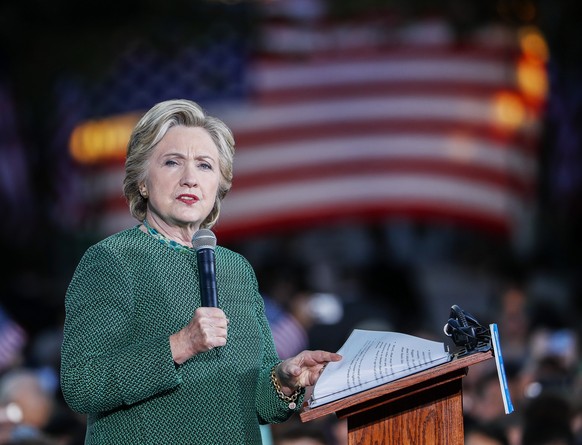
205 166
170 162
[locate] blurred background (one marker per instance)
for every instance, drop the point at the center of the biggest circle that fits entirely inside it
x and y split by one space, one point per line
393 158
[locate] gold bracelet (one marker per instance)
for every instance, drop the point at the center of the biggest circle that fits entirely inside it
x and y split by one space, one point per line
292 399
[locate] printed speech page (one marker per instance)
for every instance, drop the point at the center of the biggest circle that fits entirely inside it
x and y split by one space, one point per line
372 358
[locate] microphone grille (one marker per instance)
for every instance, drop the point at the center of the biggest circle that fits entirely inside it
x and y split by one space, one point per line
204 239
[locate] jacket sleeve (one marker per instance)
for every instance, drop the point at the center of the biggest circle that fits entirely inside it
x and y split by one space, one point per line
102 366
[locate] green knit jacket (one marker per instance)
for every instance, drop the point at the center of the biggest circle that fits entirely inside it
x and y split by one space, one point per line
129 293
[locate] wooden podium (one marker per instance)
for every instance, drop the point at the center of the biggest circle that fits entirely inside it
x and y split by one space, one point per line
424 408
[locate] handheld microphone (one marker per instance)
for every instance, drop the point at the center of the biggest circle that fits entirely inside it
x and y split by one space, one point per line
204 242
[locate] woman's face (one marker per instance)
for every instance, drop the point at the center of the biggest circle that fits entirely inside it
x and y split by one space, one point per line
183 177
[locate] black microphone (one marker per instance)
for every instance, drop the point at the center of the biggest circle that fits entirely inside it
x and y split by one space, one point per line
204 242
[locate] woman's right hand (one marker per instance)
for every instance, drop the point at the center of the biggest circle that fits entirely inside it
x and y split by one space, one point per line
206 330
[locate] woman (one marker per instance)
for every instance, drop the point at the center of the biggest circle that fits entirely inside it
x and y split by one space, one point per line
140 355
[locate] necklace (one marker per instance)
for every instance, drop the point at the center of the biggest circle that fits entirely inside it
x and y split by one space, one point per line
164 240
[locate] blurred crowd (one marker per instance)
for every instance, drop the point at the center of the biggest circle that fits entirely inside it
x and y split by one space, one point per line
540 347
32 410
316 307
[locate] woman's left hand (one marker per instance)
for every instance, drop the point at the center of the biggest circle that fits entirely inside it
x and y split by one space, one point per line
303 369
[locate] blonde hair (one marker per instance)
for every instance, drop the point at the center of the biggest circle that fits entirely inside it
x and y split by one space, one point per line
151 128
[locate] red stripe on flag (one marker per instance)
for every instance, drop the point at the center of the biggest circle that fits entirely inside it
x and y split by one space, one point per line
421 210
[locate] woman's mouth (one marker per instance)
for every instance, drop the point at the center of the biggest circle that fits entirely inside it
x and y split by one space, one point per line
188 199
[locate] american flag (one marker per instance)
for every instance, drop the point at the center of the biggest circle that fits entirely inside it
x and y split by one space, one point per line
13 340
405 129
399 126
289 335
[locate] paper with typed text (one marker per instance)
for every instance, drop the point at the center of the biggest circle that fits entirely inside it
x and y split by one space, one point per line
372 358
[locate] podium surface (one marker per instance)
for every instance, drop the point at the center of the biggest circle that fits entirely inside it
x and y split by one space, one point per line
423 408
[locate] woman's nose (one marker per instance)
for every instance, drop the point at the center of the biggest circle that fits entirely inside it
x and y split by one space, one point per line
189 176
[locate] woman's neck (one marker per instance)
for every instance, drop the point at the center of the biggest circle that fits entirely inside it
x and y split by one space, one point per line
179 235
